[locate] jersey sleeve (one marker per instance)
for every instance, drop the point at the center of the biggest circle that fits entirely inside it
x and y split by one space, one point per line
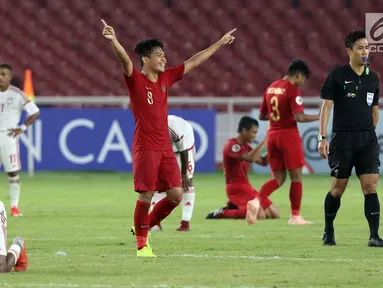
22 99
175 74
177 137
376 94
295 98
233 150
327 91
132 79
264 110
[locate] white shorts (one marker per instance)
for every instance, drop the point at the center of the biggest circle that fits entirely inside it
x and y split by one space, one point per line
3 230
9 153
191 162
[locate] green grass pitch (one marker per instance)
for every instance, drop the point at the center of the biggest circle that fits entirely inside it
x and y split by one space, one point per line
89 215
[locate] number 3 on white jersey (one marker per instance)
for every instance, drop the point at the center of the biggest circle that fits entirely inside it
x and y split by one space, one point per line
150 97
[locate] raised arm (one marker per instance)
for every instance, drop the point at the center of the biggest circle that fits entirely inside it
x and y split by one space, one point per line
255 154
127 64
202 56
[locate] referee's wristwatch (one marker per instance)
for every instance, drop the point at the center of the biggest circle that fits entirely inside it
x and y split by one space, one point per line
321 137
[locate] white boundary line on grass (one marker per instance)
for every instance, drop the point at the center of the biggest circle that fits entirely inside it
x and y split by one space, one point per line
245 257
73 285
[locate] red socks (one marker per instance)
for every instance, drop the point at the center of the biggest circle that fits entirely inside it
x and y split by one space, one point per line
268 188
141 223
295 197
162 209
265 203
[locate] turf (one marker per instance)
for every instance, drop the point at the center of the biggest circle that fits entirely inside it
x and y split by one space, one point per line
88 216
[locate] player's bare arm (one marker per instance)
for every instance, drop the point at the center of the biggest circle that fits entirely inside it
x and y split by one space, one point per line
127 64
202 56
304 118
184 155
255 154
34 112
323 145
263 161
375 115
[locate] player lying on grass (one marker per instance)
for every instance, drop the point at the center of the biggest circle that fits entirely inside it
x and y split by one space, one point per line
182 139
283 106
16 257
155 167
12 103
237 156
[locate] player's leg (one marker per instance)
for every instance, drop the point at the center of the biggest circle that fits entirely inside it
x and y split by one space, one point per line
16 255
367 168
340 160
273 212
145 174
189 195
169 180
12 166
157 197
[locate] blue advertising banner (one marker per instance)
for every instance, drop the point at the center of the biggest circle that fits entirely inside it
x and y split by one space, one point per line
101 139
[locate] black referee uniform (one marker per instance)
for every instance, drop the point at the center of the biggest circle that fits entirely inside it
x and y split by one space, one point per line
354 142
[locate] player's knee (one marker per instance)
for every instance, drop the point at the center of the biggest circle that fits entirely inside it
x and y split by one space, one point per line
13 174
337 191
369 188
280 178
146 197
175 194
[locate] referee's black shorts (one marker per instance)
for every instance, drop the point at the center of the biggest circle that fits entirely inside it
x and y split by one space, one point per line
359 149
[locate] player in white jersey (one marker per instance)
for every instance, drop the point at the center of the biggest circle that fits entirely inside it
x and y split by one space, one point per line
182 139
12 103
16 256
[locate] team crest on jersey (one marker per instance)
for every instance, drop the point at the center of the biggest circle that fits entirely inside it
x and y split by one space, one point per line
9 101
299 100
236 148
370 98
163 88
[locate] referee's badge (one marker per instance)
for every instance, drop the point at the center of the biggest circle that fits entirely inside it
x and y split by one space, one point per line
370 98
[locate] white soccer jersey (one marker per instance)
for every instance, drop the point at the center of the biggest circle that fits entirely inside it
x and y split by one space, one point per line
182 138
12 103
181 134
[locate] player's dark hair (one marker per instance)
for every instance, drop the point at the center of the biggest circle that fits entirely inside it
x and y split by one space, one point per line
5 66
352 37
298 66
247 122
145 47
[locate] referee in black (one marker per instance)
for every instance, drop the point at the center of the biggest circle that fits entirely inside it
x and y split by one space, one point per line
353 89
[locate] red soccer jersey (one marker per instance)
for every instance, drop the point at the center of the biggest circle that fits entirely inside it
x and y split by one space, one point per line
236 170
281 101
149 103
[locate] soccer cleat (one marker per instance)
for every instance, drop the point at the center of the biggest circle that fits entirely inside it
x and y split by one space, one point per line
15 212
329 239
133 230
375 242
157 228
184 227
252 211
215 214
298 220
145 252
21 263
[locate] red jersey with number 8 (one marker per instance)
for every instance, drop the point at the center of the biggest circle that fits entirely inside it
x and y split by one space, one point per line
281 101
149 104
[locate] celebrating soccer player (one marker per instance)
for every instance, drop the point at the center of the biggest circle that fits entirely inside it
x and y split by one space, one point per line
283 106
154 164
353 89
13 102
16 257
182 140
237 155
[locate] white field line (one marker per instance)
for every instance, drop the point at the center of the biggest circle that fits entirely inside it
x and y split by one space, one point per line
73 285
223 257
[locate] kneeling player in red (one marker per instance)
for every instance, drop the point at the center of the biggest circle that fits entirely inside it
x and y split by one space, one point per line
16 256
237 155
155 167
283 106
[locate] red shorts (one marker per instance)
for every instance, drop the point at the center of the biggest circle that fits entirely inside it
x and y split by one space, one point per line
155 171
239 194
285 151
